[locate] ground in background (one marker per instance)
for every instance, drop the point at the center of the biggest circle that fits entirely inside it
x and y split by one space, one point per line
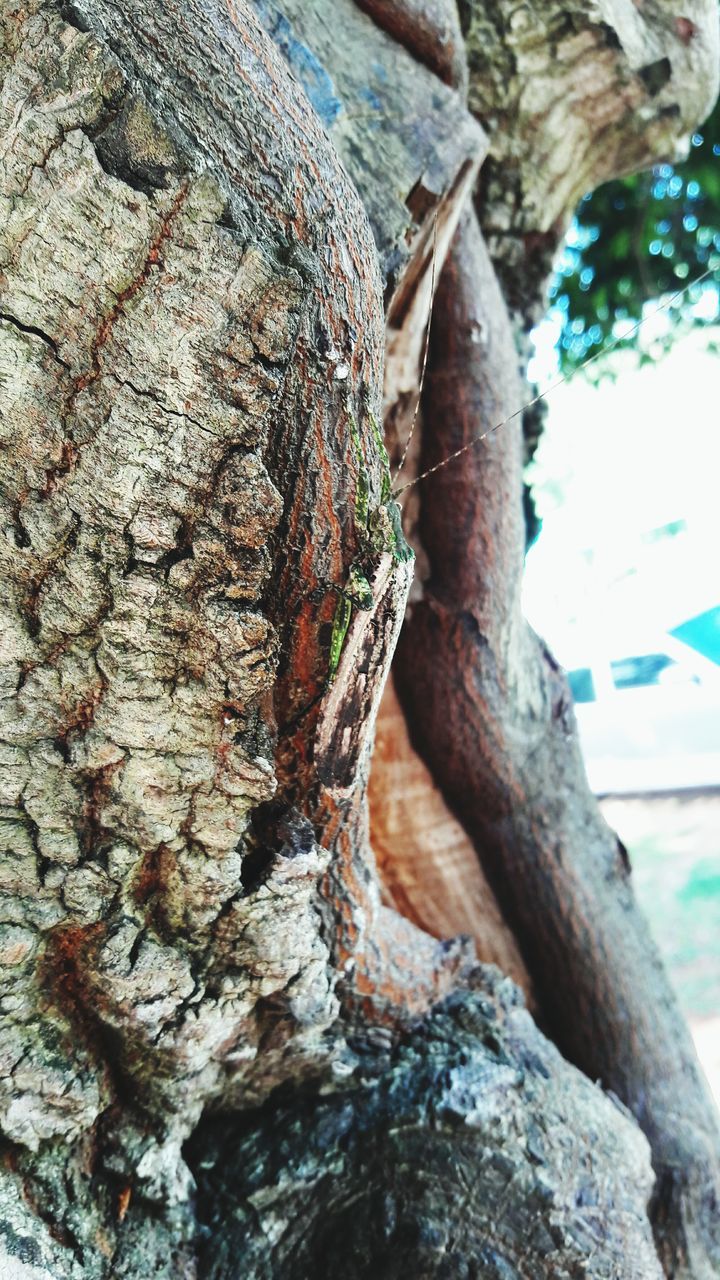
674 847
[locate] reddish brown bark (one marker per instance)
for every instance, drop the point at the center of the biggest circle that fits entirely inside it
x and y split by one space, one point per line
429 29
491 714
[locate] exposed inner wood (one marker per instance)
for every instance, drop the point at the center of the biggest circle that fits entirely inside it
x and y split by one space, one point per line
427 864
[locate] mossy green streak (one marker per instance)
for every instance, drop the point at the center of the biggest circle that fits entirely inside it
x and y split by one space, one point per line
379 530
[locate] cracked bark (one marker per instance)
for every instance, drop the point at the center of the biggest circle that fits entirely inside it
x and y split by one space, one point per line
221 1039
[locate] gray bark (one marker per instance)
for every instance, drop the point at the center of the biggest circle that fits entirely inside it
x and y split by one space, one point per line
223 1051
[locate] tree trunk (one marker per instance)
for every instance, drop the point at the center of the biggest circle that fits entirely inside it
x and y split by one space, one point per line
231 1044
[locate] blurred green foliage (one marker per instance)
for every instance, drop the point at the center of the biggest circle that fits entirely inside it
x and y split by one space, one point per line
636 240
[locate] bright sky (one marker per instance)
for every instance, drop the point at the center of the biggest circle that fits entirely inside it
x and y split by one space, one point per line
617 461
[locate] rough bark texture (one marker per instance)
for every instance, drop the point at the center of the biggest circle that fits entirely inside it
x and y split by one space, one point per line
435 1192
223 1051
573 94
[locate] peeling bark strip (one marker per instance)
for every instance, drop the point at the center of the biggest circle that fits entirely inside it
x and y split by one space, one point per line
218 1040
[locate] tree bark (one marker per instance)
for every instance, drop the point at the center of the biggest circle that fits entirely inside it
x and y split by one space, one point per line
492 715
224 1050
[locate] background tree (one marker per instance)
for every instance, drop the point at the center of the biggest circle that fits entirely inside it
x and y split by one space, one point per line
232 1043
637 239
